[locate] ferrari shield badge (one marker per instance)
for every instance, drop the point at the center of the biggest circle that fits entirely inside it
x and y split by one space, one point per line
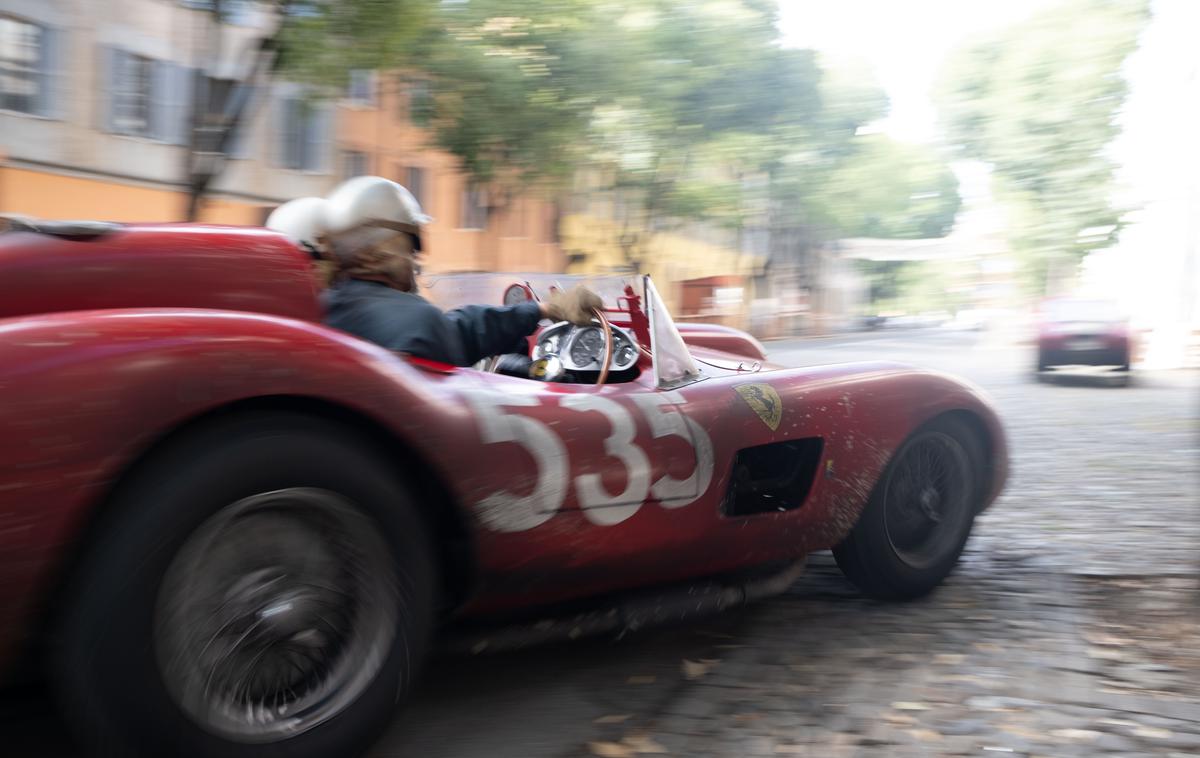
763 400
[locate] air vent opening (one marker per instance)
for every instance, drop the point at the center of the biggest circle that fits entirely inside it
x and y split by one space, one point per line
773 478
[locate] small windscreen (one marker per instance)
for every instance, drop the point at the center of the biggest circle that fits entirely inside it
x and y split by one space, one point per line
673 362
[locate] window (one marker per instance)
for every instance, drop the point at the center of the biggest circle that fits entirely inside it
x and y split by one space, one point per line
133 81
146 97
24 76
420 103
361 89
219 99
238 12
355 163
304 138
474 210
414 179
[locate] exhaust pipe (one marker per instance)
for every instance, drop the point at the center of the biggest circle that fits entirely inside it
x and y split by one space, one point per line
638 611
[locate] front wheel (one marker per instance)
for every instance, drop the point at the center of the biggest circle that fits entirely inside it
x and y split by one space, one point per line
917 520
262 588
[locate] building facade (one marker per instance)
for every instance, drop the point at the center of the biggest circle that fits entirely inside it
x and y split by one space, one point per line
95 115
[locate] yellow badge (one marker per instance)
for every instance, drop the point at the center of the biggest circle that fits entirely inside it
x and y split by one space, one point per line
763 400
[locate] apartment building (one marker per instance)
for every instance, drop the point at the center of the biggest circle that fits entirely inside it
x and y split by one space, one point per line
95 107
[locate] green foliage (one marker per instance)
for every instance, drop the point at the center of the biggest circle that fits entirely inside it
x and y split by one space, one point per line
892 190
320 41
1039 102
687 110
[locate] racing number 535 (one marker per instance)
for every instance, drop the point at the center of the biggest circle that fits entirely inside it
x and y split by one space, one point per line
510 512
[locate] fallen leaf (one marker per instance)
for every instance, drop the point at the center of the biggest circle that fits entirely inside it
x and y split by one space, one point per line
925 735
1076 735
949 659
610 750
904 706
641 680
987 647
1152 732
1116 722
697 669
615 719
1107 654
896 718
640 743
1106 639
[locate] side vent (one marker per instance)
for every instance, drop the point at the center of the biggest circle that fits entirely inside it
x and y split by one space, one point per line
775 477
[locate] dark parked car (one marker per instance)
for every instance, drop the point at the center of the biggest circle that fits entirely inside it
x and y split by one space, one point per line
1083 332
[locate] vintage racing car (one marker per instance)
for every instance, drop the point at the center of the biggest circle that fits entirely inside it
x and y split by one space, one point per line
226 529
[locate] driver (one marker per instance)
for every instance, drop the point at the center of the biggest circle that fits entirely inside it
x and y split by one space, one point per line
369 229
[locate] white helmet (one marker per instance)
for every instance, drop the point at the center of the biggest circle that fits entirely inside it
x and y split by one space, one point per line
373 201
301 220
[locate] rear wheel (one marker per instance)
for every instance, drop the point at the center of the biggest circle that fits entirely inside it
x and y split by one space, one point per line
918 518
261 588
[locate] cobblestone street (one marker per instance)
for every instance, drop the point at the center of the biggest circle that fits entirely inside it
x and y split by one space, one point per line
1070 629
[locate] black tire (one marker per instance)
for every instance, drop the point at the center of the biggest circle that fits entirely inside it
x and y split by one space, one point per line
107 657
873 557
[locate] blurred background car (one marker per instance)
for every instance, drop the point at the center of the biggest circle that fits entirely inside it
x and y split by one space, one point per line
1083 332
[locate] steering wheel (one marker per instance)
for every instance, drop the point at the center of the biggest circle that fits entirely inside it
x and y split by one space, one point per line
606 327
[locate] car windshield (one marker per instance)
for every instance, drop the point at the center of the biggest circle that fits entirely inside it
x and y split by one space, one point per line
673 363
1082 310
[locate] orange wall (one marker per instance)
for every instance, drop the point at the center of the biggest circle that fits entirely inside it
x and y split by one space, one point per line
54 196
517 238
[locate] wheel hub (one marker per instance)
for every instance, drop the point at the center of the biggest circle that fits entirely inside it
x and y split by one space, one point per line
926 498
275 614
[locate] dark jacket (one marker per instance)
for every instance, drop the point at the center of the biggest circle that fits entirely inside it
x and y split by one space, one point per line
408 323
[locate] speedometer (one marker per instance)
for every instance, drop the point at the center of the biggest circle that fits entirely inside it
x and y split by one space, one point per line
587 347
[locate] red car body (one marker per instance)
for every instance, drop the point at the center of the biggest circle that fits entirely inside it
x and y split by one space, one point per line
111 345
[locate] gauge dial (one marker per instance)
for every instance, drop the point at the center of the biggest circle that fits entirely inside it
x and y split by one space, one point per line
588 347
625 355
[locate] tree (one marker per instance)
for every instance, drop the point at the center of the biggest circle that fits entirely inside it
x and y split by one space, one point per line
892 190
1039 102
317 42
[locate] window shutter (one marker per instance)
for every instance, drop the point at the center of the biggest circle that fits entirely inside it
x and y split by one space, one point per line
110 68
183 102
279 130
239 142
317 148
50 100
163 124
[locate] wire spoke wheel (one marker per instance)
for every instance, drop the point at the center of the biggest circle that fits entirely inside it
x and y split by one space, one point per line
927 499
276 614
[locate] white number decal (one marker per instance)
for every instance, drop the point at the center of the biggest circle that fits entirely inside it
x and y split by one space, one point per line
504 511
666 421
599 506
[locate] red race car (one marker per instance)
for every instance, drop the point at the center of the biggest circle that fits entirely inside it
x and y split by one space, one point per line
229 530
1082 332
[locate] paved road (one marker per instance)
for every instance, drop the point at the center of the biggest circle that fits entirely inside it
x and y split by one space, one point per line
1069 630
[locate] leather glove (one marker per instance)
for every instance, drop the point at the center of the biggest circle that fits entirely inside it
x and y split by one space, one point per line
575 306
